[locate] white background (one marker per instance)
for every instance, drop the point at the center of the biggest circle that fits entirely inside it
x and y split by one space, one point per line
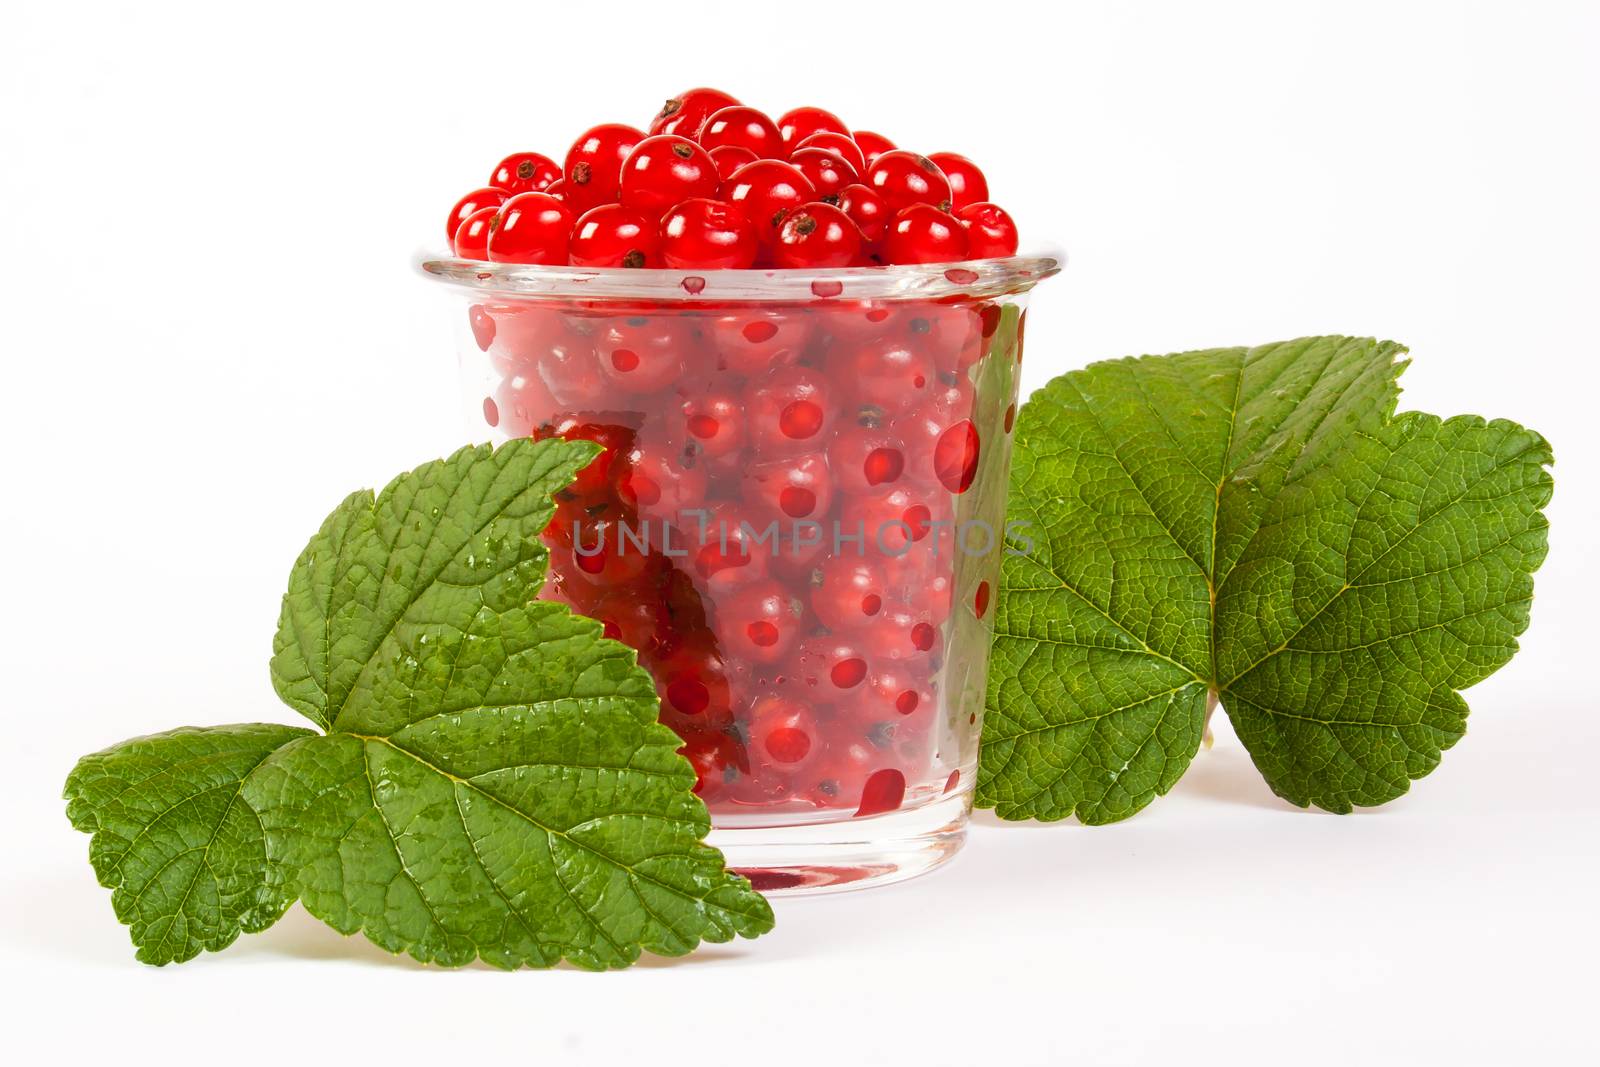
212 331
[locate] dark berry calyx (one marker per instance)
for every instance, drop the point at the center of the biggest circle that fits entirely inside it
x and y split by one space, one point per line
581 173
525 169
670 108
633 258
804 224
682 151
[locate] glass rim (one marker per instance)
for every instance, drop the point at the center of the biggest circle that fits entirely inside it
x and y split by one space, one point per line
968 279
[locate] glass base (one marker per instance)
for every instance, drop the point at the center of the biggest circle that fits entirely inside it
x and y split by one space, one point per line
830 857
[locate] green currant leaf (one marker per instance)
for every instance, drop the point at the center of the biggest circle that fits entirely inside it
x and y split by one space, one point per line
494 782
183 854
439 544
1250 526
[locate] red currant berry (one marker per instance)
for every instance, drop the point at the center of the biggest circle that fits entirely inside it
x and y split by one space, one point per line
766 191
797 487
473 201
891 374
730 158
990 231
760 622
625 616
967 183
472 236
843 771
642 353
692 680
750 342
532 228
884 791
905 178
867 210
827 173
524 333
841 145
900 632
483 327
666 170
519 404
955 456
872 145
922 233
524 172
817 236
594 481
891 522
615 236
685 113
609 553
861 320
593 169
892 692
804 544
789 410
572 374
951 334
830 666
715 761
799 123
708 235
923 575
745 127
847 592
922 427
662 483
714 421
866 456
729 546
783 734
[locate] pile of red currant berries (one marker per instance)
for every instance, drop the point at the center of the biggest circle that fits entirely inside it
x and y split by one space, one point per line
775 523
715 185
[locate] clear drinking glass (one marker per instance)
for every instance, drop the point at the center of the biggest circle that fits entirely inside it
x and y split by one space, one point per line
797 523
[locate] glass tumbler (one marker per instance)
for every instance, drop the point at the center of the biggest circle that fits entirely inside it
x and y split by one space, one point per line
797 522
